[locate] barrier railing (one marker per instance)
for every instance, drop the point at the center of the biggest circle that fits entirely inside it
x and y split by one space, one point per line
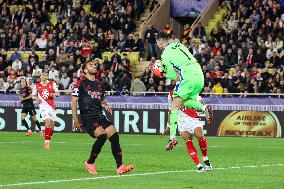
117 93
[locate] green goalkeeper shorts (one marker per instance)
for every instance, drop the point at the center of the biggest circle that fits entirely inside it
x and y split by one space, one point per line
189 88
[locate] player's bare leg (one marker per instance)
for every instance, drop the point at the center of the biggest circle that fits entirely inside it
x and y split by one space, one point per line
113 137
24 122
173 120
203 147
191 149
38 125
101 136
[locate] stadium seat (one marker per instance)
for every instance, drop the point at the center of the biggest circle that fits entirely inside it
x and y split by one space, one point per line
52 18
12 8
107 53
9 53
30 6
52 8
232 71
87 8
133 57
266 64
25 55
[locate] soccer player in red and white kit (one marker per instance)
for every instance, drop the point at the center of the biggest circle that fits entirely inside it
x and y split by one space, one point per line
44 93
189 125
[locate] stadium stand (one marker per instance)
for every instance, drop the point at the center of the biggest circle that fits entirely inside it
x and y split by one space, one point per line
240 48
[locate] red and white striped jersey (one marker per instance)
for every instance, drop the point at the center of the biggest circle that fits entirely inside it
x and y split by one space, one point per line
43 93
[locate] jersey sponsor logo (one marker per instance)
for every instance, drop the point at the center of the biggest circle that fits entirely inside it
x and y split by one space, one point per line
45 94
95 94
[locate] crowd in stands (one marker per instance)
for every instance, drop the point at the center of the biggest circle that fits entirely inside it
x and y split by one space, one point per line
242 55
60 35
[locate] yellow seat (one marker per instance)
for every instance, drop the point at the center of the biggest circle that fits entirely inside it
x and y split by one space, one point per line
12 8
9 53
232 71
25 56
52 7
52 18
108 54
266 64
87 8
217 16
30 6
133 57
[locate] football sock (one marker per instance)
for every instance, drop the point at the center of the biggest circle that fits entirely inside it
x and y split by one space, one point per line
193 104
173 123
116 150
24 122
38 125
97 147
51 130
192 151
46 133
203 146
199 165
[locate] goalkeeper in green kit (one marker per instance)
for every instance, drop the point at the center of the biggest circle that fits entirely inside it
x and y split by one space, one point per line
177 60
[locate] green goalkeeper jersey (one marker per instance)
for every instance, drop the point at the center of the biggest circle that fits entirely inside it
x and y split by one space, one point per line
177 58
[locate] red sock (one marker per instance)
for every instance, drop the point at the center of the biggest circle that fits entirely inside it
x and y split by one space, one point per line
192 151
46 133
203 146
51 132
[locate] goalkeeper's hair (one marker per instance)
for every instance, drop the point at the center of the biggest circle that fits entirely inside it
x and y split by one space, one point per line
162 36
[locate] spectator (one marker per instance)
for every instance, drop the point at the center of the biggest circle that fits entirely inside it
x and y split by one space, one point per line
73 84
15 55
199 32
150 36
218 89
123 82
167 30
137 87
17 65
41 43
126 62
3 85
185 33
53 73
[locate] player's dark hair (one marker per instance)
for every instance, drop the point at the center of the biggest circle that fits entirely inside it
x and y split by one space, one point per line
84 65
162 35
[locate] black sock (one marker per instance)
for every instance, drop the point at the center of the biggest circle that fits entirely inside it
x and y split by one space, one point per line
97 147
24 122
116 150
38 125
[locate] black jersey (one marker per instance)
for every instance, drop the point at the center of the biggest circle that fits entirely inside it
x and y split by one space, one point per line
90 94
25 92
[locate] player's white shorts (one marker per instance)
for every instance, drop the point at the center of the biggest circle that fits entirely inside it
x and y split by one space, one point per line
187 123
47 113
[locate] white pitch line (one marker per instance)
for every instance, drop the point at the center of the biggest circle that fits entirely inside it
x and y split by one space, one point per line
132 175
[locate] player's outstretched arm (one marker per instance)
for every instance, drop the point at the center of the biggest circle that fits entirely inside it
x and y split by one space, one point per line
74 108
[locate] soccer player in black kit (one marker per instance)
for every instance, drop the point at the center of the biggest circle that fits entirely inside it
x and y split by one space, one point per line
28 106
89 95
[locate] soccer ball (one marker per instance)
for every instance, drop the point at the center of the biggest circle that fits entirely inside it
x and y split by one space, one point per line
157 68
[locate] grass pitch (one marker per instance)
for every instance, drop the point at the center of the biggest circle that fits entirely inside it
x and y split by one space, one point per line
238 162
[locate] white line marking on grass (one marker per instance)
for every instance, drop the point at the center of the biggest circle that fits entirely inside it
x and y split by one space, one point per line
133 175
